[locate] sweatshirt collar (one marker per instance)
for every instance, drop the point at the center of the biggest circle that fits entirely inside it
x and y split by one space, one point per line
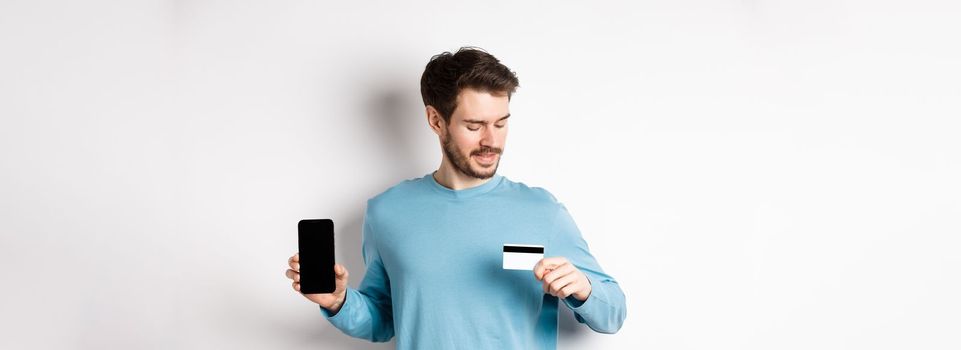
467 192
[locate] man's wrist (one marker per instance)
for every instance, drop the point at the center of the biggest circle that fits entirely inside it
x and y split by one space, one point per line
334 309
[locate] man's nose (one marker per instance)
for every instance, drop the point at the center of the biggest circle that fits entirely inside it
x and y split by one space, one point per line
487 137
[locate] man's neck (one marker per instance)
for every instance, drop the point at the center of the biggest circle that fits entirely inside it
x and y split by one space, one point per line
450 177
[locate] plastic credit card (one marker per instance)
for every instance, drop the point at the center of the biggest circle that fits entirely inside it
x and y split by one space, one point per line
522 256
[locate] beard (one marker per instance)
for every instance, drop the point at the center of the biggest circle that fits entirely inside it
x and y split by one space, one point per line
462 163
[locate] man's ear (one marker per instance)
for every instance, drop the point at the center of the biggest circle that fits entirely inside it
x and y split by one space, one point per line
435 121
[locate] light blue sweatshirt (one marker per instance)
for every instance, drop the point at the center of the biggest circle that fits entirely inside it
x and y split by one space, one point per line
434 269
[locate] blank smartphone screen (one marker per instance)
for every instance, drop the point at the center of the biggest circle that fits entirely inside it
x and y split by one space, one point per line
316 243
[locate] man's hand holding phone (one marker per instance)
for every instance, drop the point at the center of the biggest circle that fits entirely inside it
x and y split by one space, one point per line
330 301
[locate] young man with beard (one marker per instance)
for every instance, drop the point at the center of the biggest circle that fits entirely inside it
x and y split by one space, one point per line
433 245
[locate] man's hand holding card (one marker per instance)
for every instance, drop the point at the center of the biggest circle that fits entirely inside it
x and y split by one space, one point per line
562 279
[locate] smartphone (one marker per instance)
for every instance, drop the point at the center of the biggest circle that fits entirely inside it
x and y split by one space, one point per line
316 245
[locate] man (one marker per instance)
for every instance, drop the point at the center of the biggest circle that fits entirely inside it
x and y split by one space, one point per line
433 245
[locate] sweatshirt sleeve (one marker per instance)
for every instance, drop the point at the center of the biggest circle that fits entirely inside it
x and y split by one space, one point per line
367 311
605 309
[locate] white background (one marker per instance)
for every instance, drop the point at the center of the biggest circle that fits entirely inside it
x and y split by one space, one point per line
757 174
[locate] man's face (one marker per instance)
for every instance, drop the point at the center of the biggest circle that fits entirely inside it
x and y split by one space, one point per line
474 139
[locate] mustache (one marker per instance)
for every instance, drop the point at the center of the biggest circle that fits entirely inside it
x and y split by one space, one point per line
487 149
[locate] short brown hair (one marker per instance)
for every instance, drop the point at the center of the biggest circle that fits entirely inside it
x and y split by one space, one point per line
470 67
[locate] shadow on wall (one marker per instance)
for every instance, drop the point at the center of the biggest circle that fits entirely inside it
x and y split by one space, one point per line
390 125
392 132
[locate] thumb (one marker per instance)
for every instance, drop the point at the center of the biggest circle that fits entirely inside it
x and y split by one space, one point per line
340 272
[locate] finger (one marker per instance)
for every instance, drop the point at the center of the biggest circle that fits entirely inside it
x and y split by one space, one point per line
568 290
547 264
558 272
296 286
294 258
559 284
340 271
547 284
291 274
295 266
554 287
542 268
539 270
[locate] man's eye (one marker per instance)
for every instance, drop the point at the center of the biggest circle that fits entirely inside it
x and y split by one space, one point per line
473 129
499 126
